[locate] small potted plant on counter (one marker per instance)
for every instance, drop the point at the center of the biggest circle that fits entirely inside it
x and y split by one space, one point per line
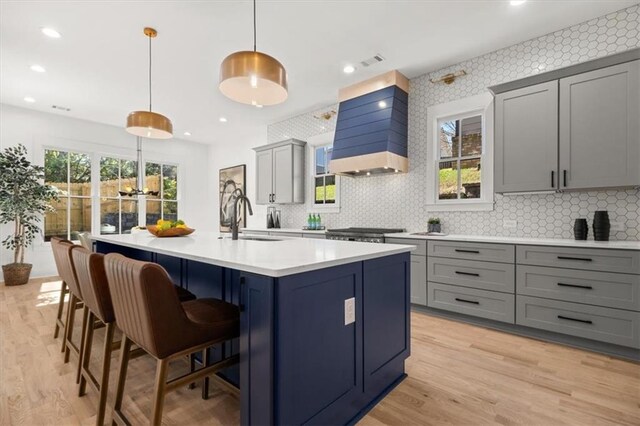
23 201
433 225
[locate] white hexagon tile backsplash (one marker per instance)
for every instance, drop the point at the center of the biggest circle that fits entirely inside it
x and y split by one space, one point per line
399 200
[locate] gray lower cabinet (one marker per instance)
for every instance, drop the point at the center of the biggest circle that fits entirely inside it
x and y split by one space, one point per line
599 130
470 273
621 291
419 280
526 139
615 326
480 303
418 268
472 251
620 261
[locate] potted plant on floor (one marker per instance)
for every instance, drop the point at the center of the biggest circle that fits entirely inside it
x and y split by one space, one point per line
23 201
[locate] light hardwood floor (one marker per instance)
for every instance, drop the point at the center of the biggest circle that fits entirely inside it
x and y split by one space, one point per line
458 375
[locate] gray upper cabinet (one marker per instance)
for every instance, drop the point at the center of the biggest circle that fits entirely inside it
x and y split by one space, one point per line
280 172
599 137
571 128
526 139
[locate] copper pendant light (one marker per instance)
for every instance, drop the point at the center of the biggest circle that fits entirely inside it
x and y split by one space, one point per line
252 77
149 124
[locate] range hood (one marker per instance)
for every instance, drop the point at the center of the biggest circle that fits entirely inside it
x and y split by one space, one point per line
371 130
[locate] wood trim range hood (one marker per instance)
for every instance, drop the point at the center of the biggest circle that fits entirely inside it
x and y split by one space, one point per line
372 127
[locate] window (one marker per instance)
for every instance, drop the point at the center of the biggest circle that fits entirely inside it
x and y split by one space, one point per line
460 142
70 173
161 178
117 214
323 187
324 181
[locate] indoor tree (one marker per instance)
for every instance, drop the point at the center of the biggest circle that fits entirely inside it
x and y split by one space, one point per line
24 198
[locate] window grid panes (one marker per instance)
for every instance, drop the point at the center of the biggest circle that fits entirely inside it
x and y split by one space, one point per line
162 178
324 181
117 214
70 173
460 155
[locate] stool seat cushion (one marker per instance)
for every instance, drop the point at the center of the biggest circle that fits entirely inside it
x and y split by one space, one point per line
184 294
219 319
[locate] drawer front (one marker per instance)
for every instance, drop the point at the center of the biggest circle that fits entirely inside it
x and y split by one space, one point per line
472 251
421 245
470 273
620 291
470 301
315 236
621 261
592 322
419 280
285 234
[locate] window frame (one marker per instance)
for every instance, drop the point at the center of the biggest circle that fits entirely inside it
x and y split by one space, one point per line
118 197
69 197
160 198
314 142
481 105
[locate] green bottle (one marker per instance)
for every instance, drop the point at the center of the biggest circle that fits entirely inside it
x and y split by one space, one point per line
318 222
314 222
310 222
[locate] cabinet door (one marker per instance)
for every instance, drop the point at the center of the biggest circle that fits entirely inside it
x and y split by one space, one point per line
419 280
283 174
264 180
526 139
599 138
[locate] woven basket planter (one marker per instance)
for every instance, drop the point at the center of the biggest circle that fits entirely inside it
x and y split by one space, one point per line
16 273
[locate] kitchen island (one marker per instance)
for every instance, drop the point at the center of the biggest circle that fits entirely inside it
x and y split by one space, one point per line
306 356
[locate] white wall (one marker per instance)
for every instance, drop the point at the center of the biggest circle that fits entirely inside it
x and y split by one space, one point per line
37 129
234 153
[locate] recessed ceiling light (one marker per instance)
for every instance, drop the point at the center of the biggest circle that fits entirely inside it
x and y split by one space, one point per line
382 104
29 99
38 68
368 173
517 2
223 119
187 133
349 69
50 32
258 106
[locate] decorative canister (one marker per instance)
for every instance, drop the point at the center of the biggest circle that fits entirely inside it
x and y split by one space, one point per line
601 225
580 229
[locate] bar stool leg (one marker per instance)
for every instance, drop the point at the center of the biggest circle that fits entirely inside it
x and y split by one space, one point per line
68 329
86 354
85 325
159 391
125 348
205 363
59 323
106 365
192 368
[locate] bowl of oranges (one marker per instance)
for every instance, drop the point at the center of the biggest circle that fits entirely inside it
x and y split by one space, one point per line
170 228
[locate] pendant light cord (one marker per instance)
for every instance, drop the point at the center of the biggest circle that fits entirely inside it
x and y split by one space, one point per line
150 74
254 25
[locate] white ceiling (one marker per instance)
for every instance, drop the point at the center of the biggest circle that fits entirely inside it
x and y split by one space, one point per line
99 66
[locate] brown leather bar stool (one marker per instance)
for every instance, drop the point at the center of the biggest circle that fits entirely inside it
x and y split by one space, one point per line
93 283
64 290
148 312
62 255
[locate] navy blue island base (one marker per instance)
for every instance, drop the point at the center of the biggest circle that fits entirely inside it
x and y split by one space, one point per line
299 362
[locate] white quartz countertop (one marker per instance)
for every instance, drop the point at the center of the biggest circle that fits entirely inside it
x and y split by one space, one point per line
272 258
288 230
558 242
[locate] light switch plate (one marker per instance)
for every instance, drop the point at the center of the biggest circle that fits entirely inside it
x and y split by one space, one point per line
349 311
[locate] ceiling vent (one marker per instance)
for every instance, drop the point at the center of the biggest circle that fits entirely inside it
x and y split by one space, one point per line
61 108
373 60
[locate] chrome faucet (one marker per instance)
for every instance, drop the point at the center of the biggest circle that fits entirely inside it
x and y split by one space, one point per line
234 223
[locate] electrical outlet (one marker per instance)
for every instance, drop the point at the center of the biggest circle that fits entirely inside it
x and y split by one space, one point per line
617 226
349 311
510 223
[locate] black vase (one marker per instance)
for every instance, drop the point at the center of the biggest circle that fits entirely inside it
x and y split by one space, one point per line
601 225
580 229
